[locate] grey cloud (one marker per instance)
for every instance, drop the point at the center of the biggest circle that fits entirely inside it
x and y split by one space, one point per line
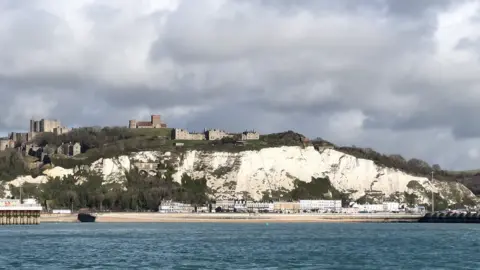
405 8
353 72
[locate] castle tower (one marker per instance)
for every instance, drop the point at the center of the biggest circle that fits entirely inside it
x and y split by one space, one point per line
32 125
132 124
156 120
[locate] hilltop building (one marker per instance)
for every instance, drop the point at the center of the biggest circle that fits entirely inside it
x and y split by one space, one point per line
155 122
183 134
211 135
6 143
250 135
36 126
216 134
20 137
45 125
69 149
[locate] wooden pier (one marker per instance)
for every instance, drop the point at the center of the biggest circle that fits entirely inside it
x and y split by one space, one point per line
12 212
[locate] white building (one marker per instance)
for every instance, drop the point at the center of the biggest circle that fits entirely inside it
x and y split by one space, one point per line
260 206
371 207
349 210
61 211
384 207
250 135
29 204
225 205
391 206
240 206
286 207
203 209
321 205
175 207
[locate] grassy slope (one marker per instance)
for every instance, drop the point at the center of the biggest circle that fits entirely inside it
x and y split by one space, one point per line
467 172
143 132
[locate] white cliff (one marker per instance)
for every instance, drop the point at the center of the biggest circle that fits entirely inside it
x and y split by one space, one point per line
230 174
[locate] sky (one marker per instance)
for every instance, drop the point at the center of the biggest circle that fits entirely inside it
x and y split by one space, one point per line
401 77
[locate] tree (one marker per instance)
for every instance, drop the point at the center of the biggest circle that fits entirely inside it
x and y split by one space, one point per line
2 189
418 163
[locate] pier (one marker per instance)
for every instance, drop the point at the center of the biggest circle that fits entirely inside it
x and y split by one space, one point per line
451 217
13 212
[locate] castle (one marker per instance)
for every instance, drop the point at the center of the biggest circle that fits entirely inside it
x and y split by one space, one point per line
155 122
45 125
36 127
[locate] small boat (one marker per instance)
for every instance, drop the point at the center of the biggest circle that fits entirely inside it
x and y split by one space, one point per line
84 215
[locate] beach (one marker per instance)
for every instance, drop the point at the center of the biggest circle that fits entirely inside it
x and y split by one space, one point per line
231 217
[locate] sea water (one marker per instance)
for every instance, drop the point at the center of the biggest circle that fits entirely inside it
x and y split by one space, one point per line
240 246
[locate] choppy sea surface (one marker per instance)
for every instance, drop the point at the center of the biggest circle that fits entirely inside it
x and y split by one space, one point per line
240 246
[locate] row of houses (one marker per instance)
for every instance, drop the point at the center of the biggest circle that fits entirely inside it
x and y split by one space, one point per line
67 149
374 208
212 134
302 206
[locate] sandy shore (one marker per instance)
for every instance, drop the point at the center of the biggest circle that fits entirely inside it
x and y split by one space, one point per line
229 218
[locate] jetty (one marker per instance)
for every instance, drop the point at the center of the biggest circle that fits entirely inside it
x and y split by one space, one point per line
451 217
13 212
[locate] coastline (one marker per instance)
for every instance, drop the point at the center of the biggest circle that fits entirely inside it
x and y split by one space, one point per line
121 217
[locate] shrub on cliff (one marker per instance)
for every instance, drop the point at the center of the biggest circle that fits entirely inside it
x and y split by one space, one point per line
12 165
288 138
317 188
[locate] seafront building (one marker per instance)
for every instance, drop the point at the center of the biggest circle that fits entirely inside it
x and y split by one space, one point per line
266 207
302 206
391 206
230 206
175 207
61 211
373 208
320 205
286 207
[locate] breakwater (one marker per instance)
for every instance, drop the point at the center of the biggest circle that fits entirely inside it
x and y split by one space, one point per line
451 218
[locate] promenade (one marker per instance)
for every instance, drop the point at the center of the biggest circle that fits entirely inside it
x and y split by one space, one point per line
235 217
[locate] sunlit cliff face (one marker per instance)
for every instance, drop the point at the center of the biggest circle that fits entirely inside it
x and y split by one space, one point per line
232 174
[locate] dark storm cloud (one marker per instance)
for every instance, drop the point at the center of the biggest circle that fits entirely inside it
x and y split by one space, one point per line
354 72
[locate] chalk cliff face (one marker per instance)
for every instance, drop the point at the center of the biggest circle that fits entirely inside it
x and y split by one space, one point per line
231 174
